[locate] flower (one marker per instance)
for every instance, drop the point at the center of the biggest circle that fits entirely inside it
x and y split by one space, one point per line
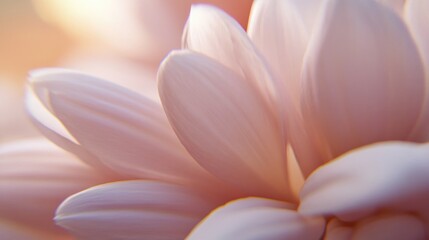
333 79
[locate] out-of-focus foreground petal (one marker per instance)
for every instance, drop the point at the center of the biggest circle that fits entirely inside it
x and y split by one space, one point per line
224 123
363 78
212 32
134 210
35 177
258 218
124 130
389 176
281 30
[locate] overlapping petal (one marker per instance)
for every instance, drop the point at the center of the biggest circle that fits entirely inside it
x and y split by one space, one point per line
224 123
205 32
35 177
281 30
134 210
124 130
258 218
389 176
363 78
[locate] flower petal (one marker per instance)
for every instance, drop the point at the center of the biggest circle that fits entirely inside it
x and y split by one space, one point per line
224 123
363 78
54 130
126 131
281 30
134 210
212 32
391 175
35 177
417 19
13 231
257 218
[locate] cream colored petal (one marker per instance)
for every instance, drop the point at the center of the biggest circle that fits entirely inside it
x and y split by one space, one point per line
257 218
392 176
363 78
212 32
134 210
224 123
126 131
416 15
35 177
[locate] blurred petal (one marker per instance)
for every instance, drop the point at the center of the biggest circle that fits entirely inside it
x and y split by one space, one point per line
134 210
396 5
393 226
257 218
212 32
281 29
35 177
363 78
14 231
224 123
388 176
125 130
416 14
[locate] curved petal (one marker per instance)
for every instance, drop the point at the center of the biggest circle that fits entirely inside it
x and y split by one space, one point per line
257 218
35 177
363 78
55 131
134 210
391 175
337 230
281 30
126 131
417 19
212 32
224 123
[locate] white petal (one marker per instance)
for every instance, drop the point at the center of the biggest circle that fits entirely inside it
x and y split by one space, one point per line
387 176
35 177
123 129
257 218
224 123
212 32
134 210
363 78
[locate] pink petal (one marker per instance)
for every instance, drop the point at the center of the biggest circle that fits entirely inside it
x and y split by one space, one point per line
123 129
393 226
134 210
363 78
224 123
35 177
281 30
416 15
395 5
42 117
257 218
212 32
388 176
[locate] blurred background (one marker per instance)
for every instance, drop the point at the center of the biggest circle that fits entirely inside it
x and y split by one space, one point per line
121 41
